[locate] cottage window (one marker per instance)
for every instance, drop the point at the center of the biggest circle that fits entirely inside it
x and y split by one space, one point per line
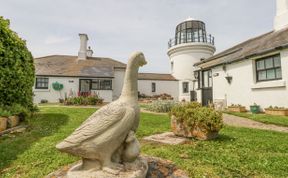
41 83
268 69
101 84
106 84
153 87
95 85
185 87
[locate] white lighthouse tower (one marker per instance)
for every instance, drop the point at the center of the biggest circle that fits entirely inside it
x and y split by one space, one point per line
190 45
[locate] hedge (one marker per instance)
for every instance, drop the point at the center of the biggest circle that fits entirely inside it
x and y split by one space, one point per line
17 71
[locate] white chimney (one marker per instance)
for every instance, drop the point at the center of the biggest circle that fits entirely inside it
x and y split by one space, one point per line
89 52
82 54
281 19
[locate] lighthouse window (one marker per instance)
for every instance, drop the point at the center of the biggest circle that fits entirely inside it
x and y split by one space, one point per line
185 87
183 37
189 35
153 87
178 37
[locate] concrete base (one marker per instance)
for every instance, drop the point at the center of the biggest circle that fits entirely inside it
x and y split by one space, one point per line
156 168
136 169
167 138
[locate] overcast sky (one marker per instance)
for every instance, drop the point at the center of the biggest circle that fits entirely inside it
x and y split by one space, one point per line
118 27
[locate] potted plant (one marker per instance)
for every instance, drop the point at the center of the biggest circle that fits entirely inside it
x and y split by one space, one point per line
4 119
193 120
255 109
278 111
236 108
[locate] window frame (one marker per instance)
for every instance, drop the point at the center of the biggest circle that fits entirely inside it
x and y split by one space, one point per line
153 87
100 85
184 83
209 79
37 82
274 68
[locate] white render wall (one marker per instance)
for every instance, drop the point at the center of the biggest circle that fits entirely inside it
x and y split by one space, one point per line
69 83
281 18
169 87
245 90
117 83
184 56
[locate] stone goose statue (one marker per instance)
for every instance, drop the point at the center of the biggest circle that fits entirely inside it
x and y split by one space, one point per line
104 139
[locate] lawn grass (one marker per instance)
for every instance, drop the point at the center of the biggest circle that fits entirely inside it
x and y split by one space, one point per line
265 118
238 152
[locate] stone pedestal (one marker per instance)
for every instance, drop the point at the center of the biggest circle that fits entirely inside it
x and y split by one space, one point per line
136 169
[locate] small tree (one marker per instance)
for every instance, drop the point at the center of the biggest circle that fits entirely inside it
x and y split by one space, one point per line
17 71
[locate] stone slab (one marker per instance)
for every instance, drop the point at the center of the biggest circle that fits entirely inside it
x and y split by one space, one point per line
167 138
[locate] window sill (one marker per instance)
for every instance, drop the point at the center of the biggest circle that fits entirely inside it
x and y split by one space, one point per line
269 84
41 90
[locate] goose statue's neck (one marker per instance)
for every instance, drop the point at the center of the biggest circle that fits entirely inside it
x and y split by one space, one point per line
130 86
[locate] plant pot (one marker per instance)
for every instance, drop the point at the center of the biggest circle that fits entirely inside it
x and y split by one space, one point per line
183 130
3 123
236 108
255 109
13 121
277 112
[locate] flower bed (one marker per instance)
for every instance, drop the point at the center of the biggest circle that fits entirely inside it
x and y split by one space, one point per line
237 108
148 99
161 106
193 120
278 111
84 100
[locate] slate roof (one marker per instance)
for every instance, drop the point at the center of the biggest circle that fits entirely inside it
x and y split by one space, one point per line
155 76
69 66
260 45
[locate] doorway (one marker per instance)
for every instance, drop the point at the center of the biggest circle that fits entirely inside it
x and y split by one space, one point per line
207 87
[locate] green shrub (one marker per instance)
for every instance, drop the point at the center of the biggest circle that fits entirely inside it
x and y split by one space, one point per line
193 114
4 113
16 69
161 106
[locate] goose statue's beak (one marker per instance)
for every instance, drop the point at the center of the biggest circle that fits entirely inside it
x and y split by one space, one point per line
143 63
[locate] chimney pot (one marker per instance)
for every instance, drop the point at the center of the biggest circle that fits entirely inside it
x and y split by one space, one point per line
89 52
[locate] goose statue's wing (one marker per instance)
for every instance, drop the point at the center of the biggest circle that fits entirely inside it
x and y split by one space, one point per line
98 123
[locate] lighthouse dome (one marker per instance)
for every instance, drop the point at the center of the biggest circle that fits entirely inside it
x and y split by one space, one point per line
191 31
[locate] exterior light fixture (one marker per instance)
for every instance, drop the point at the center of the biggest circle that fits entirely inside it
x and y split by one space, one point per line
229 79
196 74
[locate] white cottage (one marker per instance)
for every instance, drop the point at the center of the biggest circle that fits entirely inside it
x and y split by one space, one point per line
84 74
255 71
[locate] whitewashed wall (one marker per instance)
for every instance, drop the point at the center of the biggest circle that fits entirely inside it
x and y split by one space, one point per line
169 87
69 84
117 84
245 90
105 94
53 96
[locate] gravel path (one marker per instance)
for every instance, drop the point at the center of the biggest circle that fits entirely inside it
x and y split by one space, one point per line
243 122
